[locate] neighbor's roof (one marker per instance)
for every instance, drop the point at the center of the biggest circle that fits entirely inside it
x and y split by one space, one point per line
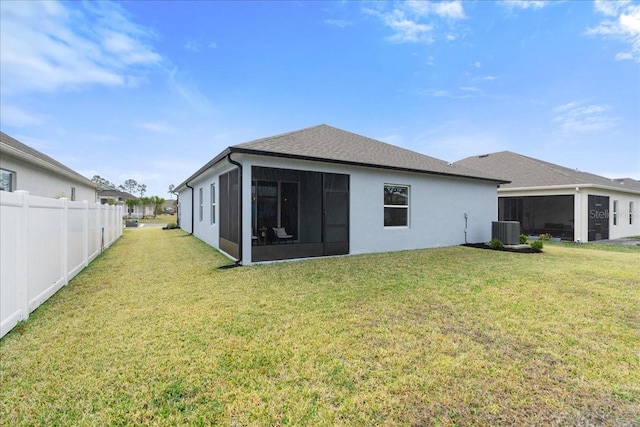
12 146
122 195
331 145
527 172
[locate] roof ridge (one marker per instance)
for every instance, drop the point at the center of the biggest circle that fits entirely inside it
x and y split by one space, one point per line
253 141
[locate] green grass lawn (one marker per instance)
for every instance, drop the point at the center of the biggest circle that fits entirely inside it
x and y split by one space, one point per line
152 333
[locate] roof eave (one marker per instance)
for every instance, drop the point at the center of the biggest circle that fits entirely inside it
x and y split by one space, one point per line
21 155
199 172
572 187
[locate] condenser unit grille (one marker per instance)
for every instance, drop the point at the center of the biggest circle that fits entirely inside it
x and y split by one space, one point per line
508 232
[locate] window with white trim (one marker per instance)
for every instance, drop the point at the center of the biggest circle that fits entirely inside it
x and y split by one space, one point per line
213 203
396 205
201 203
7 180
615 212
73 194
631 213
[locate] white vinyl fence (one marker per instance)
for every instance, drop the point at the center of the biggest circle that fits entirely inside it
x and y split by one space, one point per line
44 243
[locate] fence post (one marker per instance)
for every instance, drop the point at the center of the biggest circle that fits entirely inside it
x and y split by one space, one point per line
22 251
85 233
64 253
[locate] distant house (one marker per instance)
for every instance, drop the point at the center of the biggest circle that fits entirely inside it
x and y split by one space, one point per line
564 202
24 168
121 197
324 191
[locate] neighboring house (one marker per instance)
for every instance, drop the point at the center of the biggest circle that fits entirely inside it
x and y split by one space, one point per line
169 207
135 211
332 192
566 203
23 168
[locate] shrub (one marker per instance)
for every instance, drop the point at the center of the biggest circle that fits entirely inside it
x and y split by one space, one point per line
537 246
545 236
495 243
523 239
170 226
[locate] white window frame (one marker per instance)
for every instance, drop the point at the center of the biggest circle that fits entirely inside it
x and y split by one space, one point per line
212 190
406 206
201 202
12 183
73 194
631 212
615 212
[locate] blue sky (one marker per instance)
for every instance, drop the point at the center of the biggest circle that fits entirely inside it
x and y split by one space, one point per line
153 90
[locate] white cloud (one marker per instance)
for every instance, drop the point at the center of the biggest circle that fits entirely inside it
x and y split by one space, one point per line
17 117
48 46
524 4
340 23
610 7
622 23
155 127
196 46
417 21
405 30
581 117
448 9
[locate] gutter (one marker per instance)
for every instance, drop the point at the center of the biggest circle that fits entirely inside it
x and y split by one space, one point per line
239 166
192 205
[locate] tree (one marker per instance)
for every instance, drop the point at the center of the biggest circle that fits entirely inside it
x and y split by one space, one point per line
103 183
141 188
158 203
129 186
171 191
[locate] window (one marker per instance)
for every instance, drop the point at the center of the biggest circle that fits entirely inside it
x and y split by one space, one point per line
396 205
7 180
73 194
213 203
631 213
201 210
615 212
275 204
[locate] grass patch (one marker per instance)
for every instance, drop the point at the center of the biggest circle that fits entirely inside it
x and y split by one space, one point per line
152 333
159 219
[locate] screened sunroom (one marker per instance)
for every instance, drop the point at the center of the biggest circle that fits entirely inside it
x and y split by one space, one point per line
298 214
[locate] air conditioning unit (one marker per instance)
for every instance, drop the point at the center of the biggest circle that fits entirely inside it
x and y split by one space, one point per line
508 232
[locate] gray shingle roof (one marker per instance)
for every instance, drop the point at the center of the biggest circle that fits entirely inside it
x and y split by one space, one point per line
328 144
525 172
33 153
122 195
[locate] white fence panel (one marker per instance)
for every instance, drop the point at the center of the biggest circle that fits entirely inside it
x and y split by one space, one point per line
46 242
46 249
13 299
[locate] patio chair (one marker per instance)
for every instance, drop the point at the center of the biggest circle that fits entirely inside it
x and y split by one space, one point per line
281 235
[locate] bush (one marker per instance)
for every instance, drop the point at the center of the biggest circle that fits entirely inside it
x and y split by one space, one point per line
495 243
170 226
537 246
523 239
545 236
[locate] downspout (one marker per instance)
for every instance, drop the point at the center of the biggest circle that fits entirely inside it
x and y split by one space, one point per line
192 206
233 162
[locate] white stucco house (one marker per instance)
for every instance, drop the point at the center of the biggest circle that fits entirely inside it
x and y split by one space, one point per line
24 168
120 197
566 203
324 191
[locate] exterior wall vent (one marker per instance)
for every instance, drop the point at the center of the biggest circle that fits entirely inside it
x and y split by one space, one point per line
508 232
